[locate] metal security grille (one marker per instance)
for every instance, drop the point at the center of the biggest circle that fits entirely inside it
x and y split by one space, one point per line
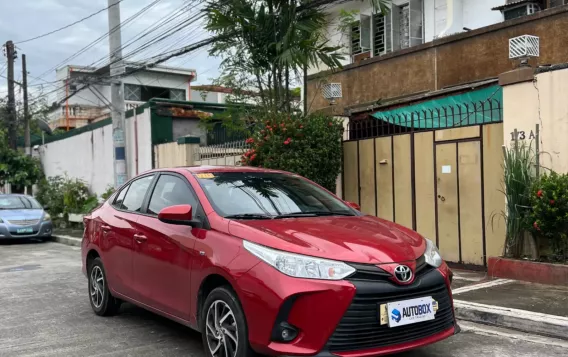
331 90
459 115
356 39
379 34
524 46
132 92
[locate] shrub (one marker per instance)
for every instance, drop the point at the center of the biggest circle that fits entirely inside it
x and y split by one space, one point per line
517 181
109 191
309 146
549 215
64 195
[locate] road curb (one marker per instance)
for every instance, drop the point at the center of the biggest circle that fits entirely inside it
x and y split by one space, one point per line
521 320
68 240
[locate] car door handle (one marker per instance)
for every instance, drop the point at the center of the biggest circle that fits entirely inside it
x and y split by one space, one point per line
140 238
105 228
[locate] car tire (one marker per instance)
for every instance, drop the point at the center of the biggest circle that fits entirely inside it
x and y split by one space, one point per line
102 301
217 336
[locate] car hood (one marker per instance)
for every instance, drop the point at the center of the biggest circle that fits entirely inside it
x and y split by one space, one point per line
367 240
20 214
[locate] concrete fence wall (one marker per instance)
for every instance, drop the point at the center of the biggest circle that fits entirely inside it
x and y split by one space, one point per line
89 156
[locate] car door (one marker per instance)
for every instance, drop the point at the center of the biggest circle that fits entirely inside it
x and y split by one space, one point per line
162 261
118 230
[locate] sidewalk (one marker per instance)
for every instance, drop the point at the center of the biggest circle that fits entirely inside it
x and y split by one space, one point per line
67 236
529 307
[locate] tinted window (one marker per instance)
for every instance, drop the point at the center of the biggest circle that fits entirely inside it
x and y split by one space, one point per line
135 195
170 191
273 194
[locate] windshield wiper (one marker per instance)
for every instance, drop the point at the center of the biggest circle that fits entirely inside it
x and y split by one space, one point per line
249 216
313 214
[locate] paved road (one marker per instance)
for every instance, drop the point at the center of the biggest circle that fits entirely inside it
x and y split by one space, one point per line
44 311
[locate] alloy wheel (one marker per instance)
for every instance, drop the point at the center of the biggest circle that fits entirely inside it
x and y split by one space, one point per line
97 287
221 330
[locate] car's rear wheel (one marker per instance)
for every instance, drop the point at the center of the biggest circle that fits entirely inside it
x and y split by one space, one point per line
102 302
223 325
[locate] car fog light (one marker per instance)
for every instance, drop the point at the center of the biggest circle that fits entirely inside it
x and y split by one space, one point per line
287 332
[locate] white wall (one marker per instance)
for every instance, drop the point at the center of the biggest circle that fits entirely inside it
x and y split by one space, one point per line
163 80
210 97
89 156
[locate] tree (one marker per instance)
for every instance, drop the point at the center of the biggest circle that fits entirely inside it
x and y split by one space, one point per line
266 45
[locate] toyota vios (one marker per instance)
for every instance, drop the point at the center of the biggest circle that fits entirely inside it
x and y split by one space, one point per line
265 261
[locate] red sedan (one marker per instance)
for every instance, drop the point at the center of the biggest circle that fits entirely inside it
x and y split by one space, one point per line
265 261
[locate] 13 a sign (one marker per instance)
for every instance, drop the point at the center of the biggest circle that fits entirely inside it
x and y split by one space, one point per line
523 135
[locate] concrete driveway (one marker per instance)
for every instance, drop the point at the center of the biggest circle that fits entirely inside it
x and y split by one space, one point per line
45 311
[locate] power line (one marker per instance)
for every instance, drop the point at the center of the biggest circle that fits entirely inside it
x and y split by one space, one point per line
98 40
70 25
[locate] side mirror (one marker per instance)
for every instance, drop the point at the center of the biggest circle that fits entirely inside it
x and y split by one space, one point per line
46 208
354 205
180 215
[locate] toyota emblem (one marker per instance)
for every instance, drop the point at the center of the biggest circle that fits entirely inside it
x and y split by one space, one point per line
403 273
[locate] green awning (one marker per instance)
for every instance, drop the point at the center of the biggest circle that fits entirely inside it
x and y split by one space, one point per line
475 107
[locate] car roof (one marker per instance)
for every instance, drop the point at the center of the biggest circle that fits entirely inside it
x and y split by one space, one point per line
204 169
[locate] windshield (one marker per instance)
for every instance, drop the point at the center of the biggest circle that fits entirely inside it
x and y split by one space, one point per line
256 195
18 202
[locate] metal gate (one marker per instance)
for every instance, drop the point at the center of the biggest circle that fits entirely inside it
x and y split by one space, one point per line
440 180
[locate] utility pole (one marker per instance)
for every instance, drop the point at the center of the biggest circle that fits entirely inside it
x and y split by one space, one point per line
10 57
117 94
27 139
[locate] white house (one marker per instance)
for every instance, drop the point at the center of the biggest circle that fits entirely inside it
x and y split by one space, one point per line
92 103
414 22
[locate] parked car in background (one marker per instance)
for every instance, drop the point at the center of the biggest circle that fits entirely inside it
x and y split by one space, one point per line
23 217
265 261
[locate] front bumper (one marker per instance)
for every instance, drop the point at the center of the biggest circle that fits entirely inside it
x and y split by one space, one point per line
42 229
340 318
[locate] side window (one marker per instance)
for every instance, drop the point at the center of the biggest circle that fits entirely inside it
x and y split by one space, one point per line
135 195
120 198
171 191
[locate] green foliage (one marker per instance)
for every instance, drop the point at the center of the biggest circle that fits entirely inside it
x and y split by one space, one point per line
16 167
549 215
64 195
309 146
50 194
347 18
109 191
518 166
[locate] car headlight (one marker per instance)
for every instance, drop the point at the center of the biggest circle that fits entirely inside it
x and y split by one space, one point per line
47 217
432 254
300 266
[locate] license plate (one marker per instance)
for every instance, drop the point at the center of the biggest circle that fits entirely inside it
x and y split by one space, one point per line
25 230
411 311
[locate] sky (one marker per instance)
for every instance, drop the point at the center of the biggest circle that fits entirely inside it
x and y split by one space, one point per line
24 19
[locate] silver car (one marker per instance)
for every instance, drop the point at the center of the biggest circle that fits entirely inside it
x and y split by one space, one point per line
23 217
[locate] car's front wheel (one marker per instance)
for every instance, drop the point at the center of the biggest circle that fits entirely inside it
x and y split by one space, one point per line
102 302
223 325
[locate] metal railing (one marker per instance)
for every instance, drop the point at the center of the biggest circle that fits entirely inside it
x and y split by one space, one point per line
232 148
459 115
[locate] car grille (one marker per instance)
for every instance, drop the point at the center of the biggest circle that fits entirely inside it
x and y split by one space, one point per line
360 329
24 222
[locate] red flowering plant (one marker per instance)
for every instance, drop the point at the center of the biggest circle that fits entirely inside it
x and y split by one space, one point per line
549 214
309 146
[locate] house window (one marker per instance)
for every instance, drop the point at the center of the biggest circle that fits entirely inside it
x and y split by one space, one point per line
356 39
177 94
133 92
554 3
379 35
516 12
